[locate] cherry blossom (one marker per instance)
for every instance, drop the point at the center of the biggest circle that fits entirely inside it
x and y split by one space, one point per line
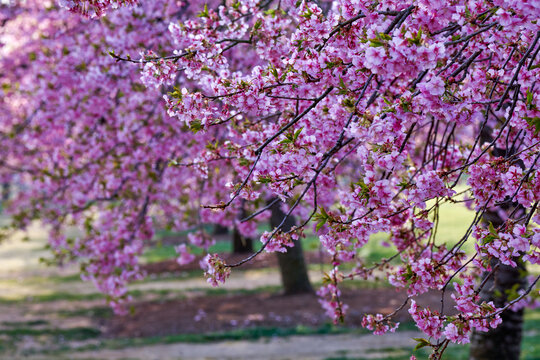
359 117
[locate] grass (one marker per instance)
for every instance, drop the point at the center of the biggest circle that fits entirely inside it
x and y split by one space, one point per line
251 334
18 330
183 275
56 296
23 324
454 221
68 296
530 347
173 294
161 252
93 312
70 334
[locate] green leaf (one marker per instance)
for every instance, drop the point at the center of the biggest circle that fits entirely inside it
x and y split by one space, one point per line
384 36
487 307
342 86
285 141
326 279
297 133
534 122
205 12
379 40
195 126
321 217
265 180
405 104
529 100
467 11
138 87
488 239
257 24
513 294
81 67
176 94
244 162
349 104
409 274
492 230
307 14
274 72
320 224
417 39
421 343
376 43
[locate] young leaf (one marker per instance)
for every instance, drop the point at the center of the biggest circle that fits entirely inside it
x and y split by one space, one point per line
421 343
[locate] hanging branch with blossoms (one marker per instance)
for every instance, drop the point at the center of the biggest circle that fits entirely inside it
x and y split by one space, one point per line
365 118
89 146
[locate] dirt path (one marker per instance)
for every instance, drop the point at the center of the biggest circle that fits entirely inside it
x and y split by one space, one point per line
317 347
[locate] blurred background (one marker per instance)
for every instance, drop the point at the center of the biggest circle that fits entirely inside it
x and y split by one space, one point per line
48 312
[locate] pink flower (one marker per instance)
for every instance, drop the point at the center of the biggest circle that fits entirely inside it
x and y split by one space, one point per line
429 322
184 256
455 334
215 270
435 86
375 57
276 242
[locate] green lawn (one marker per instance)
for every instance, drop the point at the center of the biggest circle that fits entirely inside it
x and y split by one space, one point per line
454 219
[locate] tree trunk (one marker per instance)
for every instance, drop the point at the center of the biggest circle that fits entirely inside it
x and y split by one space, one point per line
504 342
220 230
241 244
6 189
292 266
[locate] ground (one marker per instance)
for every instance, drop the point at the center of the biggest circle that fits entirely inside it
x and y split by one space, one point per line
49 313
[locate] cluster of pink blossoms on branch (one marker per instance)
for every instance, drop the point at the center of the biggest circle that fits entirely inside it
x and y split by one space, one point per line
93 8
362 117
88 145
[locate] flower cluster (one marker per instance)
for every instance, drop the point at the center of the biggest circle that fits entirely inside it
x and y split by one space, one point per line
378 324
158 73
506 245
430 322
93 8
362 117
215 270
184 256
330 297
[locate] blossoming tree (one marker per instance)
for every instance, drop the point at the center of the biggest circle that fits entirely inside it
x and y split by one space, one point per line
87 98
359 116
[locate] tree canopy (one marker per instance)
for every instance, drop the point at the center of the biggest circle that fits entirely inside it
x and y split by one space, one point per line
360 116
